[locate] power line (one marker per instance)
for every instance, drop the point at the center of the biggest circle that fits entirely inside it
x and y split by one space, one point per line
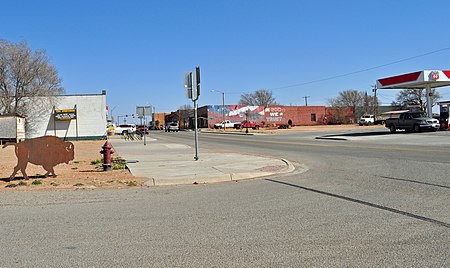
363 70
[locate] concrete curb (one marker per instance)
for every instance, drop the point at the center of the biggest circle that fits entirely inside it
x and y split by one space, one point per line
228 133
223 178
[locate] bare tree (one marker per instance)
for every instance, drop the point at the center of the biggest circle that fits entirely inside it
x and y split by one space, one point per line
261 97
370 104
416 97
351 98
184 112
24 74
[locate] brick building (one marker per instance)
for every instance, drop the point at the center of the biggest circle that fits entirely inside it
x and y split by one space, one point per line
274 115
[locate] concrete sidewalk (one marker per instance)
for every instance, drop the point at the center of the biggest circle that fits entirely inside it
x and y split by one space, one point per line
170 163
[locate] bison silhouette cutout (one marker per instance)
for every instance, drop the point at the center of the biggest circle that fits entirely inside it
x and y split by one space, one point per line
47 151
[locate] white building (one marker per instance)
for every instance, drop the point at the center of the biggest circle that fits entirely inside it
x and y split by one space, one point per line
12 128
82 117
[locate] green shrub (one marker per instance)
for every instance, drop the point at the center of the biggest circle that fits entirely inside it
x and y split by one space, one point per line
11 185
119 163
21 183
96 162
37 182
132 183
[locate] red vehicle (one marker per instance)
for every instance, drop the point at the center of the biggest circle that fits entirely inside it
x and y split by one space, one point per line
248 124
141 129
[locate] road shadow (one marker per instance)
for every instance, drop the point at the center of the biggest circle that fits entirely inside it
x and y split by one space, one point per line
22 178
359 134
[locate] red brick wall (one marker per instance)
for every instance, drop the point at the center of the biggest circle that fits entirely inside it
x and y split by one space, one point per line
160 117
276 115
340 115
299 115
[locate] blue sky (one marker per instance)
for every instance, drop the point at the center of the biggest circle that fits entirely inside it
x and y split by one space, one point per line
139 50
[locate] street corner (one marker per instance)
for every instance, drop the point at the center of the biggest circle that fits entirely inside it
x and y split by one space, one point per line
217 167
257 167
284 166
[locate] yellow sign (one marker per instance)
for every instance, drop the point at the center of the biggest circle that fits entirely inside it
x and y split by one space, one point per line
66 114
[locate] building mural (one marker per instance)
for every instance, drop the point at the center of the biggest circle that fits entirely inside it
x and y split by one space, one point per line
234 113
270 116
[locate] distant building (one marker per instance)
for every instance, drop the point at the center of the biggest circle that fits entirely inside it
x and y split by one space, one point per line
159 120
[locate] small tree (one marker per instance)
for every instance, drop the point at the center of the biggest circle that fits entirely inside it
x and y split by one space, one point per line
261 97
416 97
350 98
370 104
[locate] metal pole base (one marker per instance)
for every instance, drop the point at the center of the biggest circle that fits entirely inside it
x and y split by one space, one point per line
107 167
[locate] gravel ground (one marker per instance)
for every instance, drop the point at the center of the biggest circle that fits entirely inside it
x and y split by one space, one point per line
79 173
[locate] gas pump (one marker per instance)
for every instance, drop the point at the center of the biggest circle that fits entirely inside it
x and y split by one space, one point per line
443 118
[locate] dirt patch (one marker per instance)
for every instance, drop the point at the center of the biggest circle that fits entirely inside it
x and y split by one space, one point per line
78 174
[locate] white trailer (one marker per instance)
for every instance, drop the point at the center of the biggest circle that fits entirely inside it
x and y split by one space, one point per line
12 128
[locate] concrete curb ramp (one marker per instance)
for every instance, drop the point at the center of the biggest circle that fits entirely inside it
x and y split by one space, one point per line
172 164
222 172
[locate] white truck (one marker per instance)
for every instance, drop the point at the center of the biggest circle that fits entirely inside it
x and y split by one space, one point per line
370 119
367 120
123 129
224 124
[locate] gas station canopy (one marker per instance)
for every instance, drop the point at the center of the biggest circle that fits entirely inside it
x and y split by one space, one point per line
426 79
416 80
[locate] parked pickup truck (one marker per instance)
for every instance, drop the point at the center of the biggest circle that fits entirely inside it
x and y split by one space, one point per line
410 121
247 124
224 124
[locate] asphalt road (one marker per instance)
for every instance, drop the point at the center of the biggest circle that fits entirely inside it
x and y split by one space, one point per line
370 200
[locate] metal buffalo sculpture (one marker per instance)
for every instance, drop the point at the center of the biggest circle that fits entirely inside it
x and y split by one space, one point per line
47 151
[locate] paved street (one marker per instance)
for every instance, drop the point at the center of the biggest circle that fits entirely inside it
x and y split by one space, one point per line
367 200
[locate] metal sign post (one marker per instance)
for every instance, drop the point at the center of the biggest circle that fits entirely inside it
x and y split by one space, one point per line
192 87
143 111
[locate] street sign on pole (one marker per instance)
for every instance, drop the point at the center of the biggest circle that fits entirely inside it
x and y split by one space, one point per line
143 110
194 86
188 84
192 89
197 77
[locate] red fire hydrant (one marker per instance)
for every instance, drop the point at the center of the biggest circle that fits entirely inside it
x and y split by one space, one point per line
106 152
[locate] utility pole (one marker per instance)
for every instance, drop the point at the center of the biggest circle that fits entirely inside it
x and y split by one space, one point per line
223 106
375 101
306 100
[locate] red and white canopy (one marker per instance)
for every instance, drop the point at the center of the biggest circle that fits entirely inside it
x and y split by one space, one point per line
426 79
421 79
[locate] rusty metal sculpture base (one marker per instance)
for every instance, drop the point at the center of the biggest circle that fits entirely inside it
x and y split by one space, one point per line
47 151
